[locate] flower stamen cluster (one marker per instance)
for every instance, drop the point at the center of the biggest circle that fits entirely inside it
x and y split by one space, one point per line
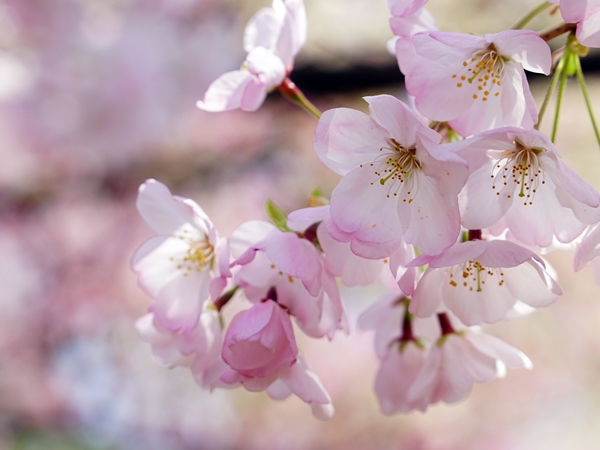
486 67
524 167
472 275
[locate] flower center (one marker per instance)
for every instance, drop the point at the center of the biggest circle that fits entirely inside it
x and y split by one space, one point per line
523 167
199 254
483 73
397 164
472 275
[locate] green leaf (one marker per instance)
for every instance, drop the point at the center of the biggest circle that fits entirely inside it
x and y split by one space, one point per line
277 215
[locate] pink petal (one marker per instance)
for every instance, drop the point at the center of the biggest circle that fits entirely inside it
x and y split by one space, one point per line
428 222
248 234
525 47
262 30
347 138
161 211
360 204
307 386
301 219
573 11
427 295
268 69
226 92
499 350
399 121
296 257
526 284
458 253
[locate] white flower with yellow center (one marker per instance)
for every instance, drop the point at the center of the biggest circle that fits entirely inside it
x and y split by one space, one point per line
518 179
184 263
477 83
480 281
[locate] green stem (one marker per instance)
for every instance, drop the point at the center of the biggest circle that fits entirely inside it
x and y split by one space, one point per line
290 91
586 97
551 89
561 91
531 15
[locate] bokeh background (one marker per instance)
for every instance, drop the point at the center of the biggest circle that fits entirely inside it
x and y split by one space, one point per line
98 95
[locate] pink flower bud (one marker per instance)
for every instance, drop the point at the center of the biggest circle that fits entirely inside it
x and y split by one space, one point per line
260 340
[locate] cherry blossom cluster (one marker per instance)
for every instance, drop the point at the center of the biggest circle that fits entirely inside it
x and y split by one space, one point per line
447 202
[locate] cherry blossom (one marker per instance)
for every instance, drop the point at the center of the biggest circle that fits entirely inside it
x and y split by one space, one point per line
459 360
480 281
294 269
260 349
477 83
398 182
272 38
184 264
400 346
517 175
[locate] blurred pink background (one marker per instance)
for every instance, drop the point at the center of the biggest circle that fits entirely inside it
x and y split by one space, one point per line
98 95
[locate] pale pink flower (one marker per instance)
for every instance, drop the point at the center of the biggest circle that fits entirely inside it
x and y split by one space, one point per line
398 182
260 340
517 175
272 38
458 361
477 83
480 281
184 264
586 14
399 345
294 268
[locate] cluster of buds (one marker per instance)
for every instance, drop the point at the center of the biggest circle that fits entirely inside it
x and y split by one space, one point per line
447 204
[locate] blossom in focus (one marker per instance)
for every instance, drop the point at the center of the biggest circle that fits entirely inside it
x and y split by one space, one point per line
586 14
294 269
273 37
459 360
517 175
184 264
480 281
477 83
398 181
